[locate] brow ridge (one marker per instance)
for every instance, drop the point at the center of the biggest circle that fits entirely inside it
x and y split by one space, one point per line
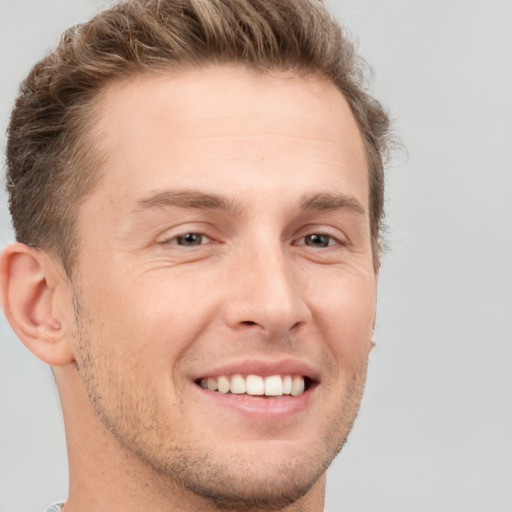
327 201
190 198
187 199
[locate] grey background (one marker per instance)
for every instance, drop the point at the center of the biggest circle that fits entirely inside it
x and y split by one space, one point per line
435 430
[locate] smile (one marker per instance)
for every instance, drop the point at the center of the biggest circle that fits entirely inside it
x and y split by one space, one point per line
256 385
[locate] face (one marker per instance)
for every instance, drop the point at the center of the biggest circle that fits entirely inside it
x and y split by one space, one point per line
225 292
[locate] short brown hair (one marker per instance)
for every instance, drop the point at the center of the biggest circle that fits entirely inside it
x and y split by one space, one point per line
52 164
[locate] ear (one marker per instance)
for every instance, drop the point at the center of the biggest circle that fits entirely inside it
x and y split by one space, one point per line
32 289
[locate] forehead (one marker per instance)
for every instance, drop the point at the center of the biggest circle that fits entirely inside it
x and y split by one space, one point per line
187 124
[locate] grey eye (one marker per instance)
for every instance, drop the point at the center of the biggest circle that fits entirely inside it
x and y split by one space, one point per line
190 239
316 240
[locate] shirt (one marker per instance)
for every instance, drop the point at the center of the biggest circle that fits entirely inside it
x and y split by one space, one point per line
56 507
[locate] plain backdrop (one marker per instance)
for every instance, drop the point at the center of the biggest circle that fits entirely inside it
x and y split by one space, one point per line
435 430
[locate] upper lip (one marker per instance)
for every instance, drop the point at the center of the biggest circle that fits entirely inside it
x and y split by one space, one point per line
264 368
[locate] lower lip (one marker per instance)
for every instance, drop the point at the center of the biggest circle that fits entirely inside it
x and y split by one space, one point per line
259 407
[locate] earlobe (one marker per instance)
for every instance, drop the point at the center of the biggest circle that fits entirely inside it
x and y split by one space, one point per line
30 285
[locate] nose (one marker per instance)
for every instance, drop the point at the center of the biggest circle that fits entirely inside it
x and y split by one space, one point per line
268 295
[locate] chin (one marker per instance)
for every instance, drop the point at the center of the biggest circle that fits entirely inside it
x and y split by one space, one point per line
262 475
254 485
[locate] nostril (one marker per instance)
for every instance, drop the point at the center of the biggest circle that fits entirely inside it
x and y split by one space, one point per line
249 322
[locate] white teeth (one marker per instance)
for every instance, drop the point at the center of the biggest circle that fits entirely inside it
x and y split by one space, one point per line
223 384
255 385
287 385
297 386
274 385
238 384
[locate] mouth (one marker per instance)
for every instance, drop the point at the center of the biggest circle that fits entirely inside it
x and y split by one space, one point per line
271 386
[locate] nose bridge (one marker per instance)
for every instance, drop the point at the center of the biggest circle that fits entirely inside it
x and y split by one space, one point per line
268 293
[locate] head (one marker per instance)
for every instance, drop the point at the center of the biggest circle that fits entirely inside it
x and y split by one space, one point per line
52 161
207 176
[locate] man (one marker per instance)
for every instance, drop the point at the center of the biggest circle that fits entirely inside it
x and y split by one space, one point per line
196 188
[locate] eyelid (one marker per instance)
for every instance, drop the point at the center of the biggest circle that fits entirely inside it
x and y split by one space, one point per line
336 241
335 234
172 240
169 236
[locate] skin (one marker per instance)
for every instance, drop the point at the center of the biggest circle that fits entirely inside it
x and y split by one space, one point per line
269 171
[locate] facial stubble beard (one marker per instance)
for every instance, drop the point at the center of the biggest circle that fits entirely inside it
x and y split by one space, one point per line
224 484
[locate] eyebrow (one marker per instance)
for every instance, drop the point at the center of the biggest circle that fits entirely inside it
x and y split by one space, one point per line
319 202
187 199
206 201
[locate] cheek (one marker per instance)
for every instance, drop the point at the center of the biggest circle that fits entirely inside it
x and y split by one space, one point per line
345 310
149 321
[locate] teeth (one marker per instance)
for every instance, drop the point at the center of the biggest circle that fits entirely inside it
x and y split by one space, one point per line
287 385
255 385
211 383
223 384
297 386
274 385
238 384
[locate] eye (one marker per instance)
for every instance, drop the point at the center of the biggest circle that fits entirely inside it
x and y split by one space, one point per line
319 240
190 240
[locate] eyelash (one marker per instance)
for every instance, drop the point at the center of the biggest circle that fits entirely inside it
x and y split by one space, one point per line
331 240
201 236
